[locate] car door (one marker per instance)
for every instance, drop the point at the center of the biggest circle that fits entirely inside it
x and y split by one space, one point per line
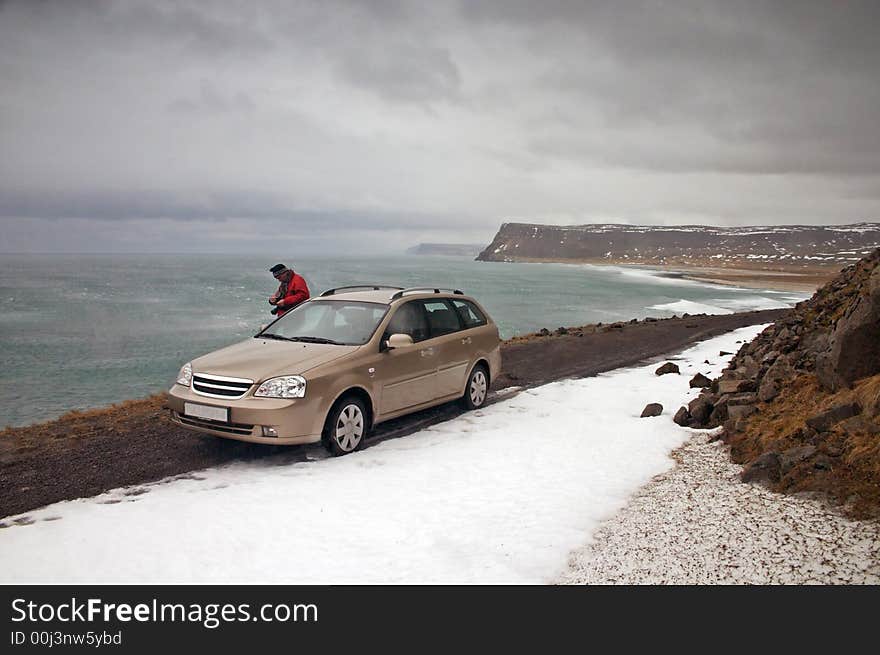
450 348
408 375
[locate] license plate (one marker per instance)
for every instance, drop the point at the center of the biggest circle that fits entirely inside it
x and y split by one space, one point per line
207 411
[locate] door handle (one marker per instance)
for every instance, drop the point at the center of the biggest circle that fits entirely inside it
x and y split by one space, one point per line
427 352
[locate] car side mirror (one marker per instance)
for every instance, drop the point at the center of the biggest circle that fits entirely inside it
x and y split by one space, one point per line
398 341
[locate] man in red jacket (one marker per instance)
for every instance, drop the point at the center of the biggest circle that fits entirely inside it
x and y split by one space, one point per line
292 290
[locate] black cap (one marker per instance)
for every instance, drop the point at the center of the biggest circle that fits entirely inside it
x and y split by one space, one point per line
278 268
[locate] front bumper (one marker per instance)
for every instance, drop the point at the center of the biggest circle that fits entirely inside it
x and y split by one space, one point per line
296 421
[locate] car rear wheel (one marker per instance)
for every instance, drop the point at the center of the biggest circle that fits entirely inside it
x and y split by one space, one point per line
346 426
477 388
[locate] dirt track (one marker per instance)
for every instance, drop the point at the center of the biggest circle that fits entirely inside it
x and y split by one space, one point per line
86 453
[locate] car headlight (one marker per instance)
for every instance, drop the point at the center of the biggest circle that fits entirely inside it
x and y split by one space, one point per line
186 374
289 386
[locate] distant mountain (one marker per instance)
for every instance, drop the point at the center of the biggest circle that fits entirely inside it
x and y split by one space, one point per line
685 244
448 249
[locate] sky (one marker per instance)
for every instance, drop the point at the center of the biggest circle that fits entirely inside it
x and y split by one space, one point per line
368 127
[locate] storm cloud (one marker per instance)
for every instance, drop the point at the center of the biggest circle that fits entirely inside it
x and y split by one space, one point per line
372 126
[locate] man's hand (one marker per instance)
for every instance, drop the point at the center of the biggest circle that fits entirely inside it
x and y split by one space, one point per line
273 300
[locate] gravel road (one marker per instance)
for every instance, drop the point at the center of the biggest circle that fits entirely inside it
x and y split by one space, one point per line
698 524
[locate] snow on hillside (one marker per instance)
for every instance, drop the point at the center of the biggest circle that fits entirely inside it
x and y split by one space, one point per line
501 495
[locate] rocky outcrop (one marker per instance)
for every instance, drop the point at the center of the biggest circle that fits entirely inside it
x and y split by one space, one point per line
802 400
854 351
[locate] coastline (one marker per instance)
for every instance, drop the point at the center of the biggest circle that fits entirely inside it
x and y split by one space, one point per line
67 458
800 279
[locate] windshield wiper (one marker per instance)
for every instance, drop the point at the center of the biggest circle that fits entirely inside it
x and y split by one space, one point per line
271 335
315 340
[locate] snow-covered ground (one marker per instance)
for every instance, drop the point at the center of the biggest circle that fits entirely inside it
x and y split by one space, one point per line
501 495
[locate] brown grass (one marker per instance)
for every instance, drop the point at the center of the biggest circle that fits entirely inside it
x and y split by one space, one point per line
852 448
81 424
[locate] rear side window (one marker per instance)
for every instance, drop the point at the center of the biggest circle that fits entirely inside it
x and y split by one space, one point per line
408 319
470 315
442 319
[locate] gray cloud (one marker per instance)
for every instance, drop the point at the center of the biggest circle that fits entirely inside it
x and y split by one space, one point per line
437 119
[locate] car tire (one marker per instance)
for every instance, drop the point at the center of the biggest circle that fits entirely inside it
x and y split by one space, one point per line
477 389
347 426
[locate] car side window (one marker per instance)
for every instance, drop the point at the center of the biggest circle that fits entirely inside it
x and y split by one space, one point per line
408 319
470 315
442 318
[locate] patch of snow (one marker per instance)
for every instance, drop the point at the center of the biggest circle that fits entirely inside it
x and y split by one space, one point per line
499 495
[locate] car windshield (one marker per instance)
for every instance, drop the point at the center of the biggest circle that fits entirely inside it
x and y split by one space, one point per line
339 322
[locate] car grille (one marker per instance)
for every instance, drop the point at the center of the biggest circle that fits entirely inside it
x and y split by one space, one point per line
230 428
217 386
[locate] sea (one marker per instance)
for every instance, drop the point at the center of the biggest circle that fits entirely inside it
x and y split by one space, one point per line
84 331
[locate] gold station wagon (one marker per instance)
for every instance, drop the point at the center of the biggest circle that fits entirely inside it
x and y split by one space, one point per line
336 365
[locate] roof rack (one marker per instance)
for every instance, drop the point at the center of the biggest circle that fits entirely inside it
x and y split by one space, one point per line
400 293
374 287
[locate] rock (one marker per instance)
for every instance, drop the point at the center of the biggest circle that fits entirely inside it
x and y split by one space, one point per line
719 413
824 421
770 357
737 412
855 346
682 417
764 469
723 353
790 458
768 390
700 409
700 381
561 330
652 409
823 463
742 399
735 386
668 367
544 332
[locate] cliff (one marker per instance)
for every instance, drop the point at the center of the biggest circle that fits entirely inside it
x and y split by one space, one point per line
780 245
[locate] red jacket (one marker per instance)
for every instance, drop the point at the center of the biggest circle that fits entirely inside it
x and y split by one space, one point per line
291 294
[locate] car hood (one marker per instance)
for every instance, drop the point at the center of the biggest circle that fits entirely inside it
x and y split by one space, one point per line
259 359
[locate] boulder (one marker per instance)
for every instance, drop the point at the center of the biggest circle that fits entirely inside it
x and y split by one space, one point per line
652 409
790 458
768 390
700 409
682 417
668 367
737 412
700 381
764 469
742 399
544 332
855 341
561 330
726 386
723 353
824 421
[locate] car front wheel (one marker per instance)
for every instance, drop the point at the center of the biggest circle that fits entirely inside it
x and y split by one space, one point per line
346 427
477 388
